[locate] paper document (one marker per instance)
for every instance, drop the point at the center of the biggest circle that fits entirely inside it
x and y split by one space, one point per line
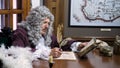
66 55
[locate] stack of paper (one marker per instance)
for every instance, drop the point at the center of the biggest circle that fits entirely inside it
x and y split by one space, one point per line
66 55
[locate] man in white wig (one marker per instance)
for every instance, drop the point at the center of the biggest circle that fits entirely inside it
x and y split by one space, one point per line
37 32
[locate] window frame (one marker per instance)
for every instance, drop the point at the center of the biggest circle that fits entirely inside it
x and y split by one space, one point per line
23 7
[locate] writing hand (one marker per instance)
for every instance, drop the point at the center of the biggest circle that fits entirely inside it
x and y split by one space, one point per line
56 52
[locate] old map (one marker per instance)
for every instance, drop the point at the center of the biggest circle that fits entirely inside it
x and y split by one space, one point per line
95 12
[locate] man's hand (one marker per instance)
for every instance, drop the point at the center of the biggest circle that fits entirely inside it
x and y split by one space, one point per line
56 52
82 45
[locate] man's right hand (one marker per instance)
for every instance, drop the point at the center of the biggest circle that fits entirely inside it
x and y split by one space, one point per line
56 52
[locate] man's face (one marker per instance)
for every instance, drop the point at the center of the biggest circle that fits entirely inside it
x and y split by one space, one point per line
45 26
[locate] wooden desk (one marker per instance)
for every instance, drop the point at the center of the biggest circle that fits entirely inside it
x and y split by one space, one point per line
93 60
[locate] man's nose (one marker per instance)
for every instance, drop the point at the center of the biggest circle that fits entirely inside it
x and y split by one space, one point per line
47 25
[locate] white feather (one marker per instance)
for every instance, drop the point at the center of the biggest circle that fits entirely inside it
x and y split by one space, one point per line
16 57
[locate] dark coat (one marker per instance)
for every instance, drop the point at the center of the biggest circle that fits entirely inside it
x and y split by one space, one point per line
20 38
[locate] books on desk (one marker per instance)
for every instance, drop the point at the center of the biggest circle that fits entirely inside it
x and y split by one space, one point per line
66 55
69 55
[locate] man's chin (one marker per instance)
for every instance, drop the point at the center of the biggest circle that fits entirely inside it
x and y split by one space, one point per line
43 33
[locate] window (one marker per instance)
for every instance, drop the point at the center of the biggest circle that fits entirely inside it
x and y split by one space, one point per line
13 12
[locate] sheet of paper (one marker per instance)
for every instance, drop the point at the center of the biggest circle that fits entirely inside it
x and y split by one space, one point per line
66 55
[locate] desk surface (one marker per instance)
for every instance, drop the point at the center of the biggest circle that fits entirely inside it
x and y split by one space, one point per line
93 60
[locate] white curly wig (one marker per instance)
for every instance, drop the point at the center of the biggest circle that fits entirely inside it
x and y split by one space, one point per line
33 23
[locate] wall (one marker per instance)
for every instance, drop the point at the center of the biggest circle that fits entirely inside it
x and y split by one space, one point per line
36 3
86 32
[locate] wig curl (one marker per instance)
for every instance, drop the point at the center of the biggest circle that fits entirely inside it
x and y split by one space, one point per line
33 23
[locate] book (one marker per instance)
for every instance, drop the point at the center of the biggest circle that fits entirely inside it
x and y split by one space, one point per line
89 47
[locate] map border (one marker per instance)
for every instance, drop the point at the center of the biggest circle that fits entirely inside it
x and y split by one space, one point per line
69 20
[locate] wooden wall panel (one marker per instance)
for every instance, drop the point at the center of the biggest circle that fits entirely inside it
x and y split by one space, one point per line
57 8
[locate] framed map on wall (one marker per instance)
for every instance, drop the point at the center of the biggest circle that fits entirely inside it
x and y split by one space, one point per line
94 13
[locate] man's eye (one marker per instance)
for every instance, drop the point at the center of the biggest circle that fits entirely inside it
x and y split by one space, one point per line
44 22
48 23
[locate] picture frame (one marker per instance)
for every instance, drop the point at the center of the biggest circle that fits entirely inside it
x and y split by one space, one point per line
93 13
